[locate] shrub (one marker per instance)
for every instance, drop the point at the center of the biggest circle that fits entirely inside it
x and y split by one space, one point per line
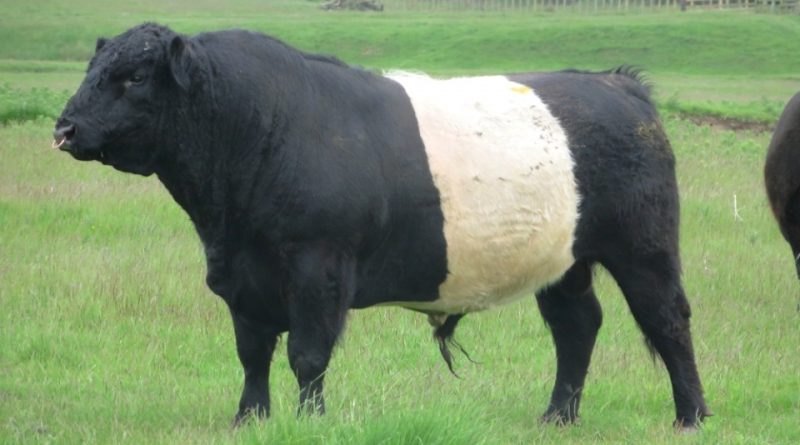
18 105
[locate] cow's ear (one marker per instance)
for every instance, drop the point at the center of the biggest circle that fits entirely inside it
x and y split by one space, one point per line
180 62
101 42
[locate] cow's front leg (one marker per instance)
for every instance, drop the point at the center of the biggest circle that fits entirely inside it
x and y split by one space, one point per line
320 282
255 344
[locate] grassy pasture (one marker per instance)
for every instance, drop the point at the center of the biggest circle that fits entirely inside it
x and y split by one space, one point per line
720 62
108 334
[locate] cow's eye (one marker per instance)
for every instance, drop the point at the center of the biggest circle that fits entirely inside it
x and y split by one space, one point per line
135 79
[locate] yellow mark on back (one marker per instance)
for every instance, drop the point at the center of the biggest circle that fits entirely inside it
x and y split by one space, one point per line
521 89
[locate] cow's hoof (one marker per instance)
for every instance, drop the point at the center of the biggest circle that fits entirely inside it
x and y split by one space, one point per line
688 426
244 417
559 417
310 410
687 429
240 419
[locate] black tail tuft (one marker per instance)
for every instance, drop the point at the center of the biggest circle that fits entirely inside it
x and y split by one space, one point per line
443 333
651 348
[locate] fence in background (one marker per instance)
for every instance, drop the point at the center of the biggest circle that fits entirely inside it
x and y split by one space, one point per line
767 6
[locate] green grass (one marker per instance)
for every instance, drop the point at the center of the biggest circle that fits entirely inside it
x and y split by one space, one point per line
108 334
704 61
694 43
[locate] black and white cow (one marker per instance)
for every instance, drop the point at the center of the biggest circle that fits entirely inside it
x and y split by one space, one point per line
782 176
317 187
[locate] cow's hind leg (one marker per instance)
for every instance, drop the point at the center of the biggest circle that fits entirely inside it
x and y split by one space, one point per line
255 344
573 314
319 290
651 285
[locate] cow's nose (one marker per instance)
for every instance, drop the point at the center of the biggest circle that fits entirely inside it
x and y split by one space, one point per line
62 135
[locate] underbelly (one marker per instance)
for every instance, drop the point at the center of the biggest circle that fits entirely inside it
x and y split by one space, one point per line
504 172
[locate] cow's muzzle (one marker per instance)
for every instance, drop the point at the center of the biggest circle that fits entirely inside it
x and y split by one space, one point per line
63 135
82 148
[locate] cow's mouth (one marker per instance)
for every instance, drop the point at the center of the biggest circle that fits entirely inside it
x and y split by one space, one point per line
77 152
64 140
85 154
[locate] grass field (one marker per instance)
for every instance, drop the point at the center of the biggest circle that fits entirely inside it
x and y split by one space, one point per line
108 334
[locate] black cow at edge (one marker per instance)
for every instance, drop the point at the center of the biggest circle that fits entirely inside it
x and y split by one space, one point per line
782 175
316 187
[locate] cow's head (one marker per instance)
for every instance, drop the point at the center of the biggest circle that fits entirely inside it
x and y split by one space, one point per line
118 116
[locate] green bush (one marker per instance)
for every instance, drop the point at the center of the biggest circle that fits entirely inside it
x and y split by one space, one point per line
18 105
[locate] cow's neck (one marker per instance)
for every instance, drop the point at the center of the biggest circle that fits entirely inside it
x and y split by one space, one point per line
192 182
213 172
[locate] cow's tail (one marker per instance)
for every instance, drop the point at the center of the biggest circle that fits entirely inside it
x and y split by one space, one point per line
444 327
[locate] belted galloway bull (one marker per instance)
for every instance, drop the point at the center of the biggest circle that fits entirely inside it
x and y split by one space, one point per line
317 187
